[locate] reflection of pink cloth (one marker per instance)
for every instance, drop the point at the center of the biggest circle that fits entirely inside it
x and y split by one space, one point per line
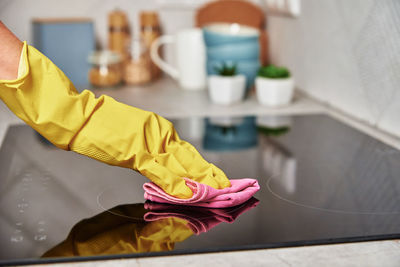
199 220
206 196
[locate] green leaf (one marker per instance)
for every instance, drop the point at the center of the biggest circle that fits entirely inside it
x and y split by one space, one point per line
273 72
226 70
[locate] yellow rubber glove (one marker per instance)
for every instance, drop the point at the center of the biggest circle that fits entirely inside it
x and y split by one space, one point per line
105 129
106 234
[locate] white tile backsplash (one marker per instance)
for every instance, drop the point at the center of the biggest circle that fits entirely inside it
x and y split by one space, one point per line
345 53
378 56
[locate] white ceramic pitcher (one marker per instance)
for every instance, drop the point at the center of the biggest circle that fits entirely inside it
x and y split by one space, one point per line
190 55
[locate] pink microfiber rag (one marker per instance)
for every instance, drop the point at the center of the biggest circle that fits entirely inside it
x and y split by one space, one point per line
206 196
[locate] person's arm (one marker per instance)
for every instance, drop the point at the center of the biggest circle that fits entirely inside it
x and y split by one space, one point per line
101 128
10 52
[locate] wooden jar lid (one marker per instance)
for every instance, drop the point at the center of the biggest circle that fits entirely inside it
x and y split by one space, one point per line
117 18
149 18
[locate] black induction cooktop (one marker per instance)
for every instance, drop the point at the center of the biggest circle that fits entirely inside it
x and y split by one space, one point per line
321 182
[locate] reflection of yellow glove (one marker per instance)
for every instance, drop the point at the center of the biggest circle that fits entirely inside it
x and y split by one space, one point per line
105 129
107 234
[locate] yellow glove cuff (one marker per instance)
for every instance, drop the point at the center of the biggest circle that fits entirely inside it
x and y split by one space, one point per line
22 63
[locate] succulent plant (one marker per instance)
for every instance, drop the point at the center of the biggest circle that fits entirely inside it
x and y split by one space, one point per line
273 72
226 69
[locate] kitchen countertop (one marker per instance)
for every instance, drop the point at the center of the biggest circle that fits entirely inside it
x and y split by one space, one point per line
165 98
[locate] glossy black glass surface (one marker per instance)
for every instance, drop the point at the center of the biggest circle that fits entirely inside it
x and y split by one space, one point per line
321 182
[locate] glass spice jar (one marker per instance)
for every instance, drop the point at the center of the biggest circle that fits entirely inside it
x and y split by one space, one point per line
150 30
137 69
106 70
119 33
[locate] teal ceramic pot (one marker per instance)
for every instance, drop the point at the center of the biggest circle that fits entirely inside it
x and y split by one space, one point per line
233 44
238 52
230 137
228 33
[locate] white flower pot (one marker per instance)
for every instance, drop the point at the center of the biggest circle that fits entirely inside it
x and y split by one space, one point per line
274 92
226 121
274 121
226 90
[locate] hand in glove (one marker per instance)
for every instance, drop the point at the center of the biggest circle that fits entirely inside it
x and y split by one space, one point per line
103 128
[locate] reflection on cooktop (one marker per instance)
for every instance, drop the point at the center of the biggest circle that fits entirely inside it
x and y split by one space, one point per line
321 182
141 228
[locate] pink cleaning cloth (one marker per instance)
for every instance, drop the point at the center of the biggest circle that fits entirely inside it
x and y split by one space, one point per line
206 196
200 220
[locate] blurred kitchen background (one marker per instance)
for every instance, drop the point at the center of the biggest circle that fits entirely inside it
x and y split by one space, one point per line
345 53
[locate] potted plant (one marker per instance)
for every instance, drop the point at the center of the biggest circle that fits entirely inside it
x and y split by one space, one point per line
227 87
274 86
273 125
